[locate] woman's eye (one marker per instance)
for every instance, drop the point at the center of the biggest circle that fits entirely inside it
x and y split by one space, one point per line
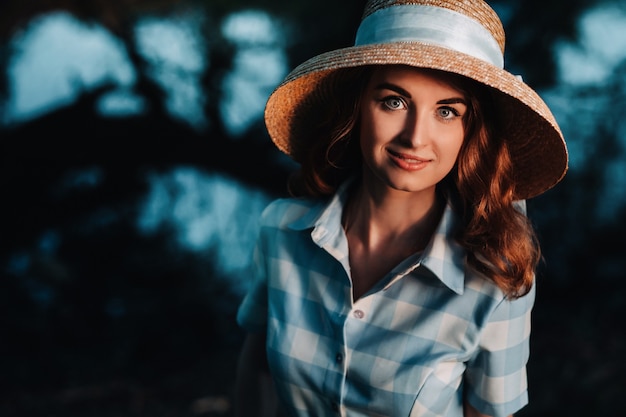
394 103
447 113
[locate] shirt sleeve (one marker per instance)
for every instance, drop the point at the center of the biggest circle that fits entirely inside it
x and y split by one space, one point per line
496 381
252 312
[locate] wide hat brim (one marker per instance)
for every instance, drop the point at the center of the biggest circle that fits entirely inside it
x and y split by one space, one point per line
537 147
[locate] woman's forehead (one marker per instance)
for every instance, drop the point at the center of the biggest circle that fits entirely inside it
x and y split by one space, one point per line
410 76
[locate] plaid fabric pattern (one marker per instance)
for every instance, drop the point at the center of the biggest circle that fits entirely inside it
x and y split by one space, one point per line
430 333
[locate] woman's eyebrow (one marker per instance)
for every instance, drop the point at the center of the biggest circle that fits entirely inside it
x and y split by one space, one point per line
393 87
405 93
454 100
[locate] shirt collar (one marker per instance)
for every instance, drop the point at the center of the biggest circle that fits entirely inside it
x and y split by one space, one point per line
443 256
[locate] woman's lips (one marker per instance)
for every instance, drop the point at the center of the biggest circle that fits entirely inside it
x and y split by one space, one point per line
408 162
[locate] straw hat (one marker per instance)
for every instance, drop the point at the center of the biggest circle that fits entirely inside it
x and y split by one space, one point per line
461 36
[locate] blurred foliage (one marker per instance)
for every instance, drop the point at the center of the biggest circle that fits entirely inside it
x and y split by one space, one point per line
534 27
113 323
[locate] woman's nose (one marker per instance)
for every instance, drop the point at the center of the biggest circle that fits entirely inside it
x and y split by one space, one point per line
416 130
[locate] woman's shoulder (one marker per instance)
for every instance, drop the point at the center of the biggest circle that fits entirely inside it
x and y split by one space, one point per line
283 212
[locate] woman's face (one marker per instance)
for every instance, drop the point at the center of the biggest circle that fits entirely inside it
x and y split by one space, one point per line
411 128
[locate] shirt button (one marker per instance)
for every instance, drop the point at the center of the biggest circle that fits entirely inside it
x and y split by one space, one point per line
339 358
359 314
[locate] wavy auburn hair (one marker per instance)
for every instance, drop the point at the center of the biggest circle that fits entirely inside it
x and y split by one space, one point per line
499 238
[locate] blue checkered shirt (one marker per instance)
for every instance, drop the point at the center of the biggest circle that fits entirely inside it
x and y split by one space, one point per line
428 335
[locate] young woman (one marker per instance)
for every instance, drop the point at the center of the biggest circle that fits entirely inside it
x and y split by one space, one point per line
399 279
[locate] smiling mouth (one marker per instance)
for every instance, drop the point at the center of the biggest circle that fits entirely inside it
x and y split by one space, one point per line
408 159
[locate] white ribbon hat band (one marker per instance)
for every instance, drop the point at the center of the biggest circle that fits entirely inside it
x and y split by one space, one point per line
433 25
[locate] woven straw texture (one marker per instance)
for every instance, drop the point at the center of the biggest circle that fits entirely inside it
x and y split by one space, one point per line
538 149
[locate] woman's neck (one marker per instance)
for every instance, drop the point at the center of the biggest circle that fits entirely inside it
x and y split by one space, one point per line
392 217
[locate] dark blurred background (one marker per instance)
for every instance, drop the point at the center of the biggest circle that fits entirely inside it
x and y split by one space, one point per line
134 164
